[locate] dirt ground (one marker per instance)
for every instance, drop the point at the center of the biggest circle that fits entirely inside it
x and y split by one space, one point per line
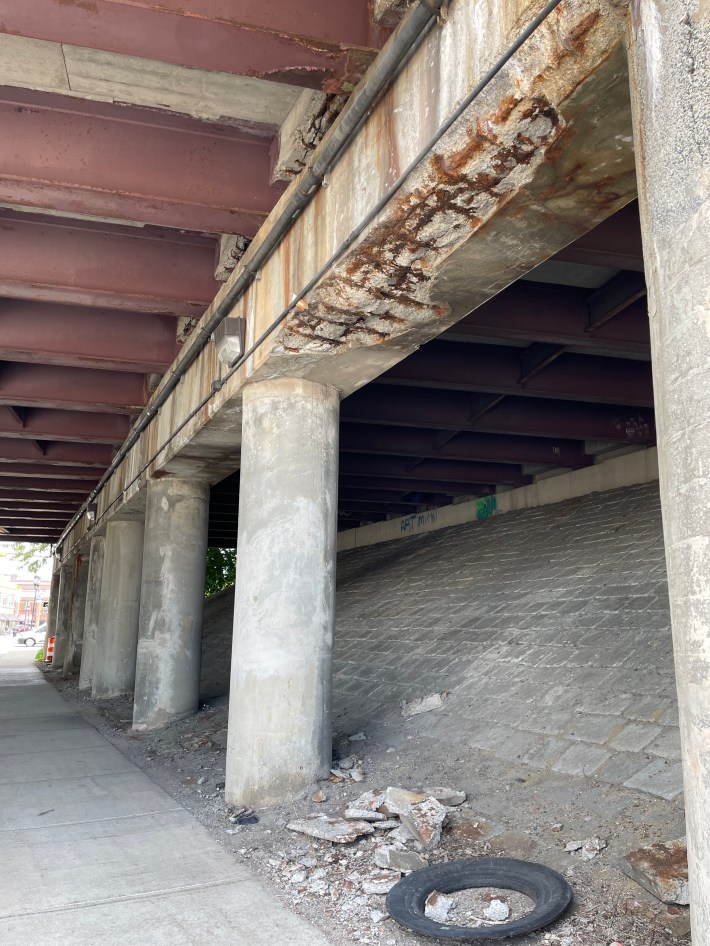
511 810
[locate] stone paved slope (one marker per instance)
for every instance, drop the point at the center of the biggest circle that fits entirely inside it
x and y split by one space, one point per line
549 628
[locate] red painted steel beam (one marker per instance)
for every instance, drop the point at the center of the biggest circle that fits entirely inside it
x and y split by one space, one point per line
409 442
438 470
452 410
379 496
82 389
497 369
320 44
364 506
616 242
49 260
41 470
76 454
64 426
537 312
28 485
408 484
106 160
78 336
37 500
43 536
51 509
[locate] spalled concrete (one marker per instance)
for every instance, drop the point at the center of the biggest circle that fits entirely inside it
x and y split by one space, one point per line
93 851
279 713
115 652
172 598
669 47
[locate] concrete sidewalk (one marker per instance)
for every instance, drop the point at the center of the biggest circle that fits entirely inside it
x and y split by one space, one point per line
93 852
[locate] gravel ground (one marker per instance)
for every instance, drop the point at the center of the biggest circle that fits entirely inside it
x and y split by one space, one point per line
511 810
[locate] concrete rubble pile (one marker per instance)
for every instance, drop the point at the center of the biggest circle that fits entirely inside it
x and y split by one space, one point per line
396 830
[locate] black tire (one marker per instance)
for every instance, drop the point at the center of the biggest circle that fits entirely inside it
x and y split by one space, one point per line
30 642
551 893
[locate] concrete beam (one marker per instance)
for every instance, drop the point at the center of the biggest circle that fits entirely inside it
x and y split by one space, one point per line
326 44
82 337
105 160
96 75
48 260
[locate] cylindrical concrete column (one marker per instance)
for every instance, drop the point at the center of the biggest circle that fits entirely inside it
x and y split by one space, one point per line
72 653
117 637
669 48
279 705
63 615
91 611
172 600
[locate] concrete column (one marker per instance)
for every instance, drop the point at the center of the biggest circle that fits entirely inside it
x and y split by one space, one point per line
172 600
91 611
670 79
279 704
72 653
63 615
117 637
52 609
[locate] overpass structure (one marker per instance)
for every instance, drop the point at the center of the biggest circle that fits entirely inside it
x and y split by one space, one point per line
268 271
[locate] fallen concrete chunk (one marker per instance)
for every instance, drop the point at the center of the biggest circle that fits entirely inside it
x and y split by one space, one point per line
446 796
402 834
387 825
438 906
389 858
591 847
326 828
371 800
423 705
381 883
498 911
363 814
662 869
358 737
425 821
396 800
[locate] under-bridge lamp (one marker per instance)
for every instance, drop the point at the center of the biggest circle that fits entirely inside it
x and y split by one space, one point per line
229 338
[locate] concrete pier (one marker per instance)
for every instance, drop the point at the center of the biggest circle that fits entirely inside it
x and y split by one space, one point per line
669 45
91 611
279 708
73 650
63 612
172 598
117 638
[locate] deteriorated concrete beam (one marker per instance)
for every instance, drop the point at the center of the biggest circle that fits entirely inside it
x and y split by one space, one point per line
540 157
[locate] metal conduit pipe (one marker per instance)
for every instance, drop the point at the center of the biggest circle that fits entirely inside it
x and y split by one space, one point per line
400 45
246 278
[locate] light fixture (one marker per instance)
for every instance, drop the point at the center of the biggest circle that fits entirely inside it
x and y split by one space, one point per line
91 512
229 337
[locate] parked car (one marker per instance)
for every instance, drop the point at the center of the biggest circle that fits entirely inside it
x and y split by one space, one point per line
31 636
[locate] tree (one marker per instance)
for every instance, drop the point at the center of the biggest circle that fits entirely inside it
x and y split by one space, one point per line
221 569
33 555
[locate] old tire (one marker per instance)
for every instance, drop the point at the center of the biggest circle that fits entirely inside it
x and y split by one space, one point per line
551 893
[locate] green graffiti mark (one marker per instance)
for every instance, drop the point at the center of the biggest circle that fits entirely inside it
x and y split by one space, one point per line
485 507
